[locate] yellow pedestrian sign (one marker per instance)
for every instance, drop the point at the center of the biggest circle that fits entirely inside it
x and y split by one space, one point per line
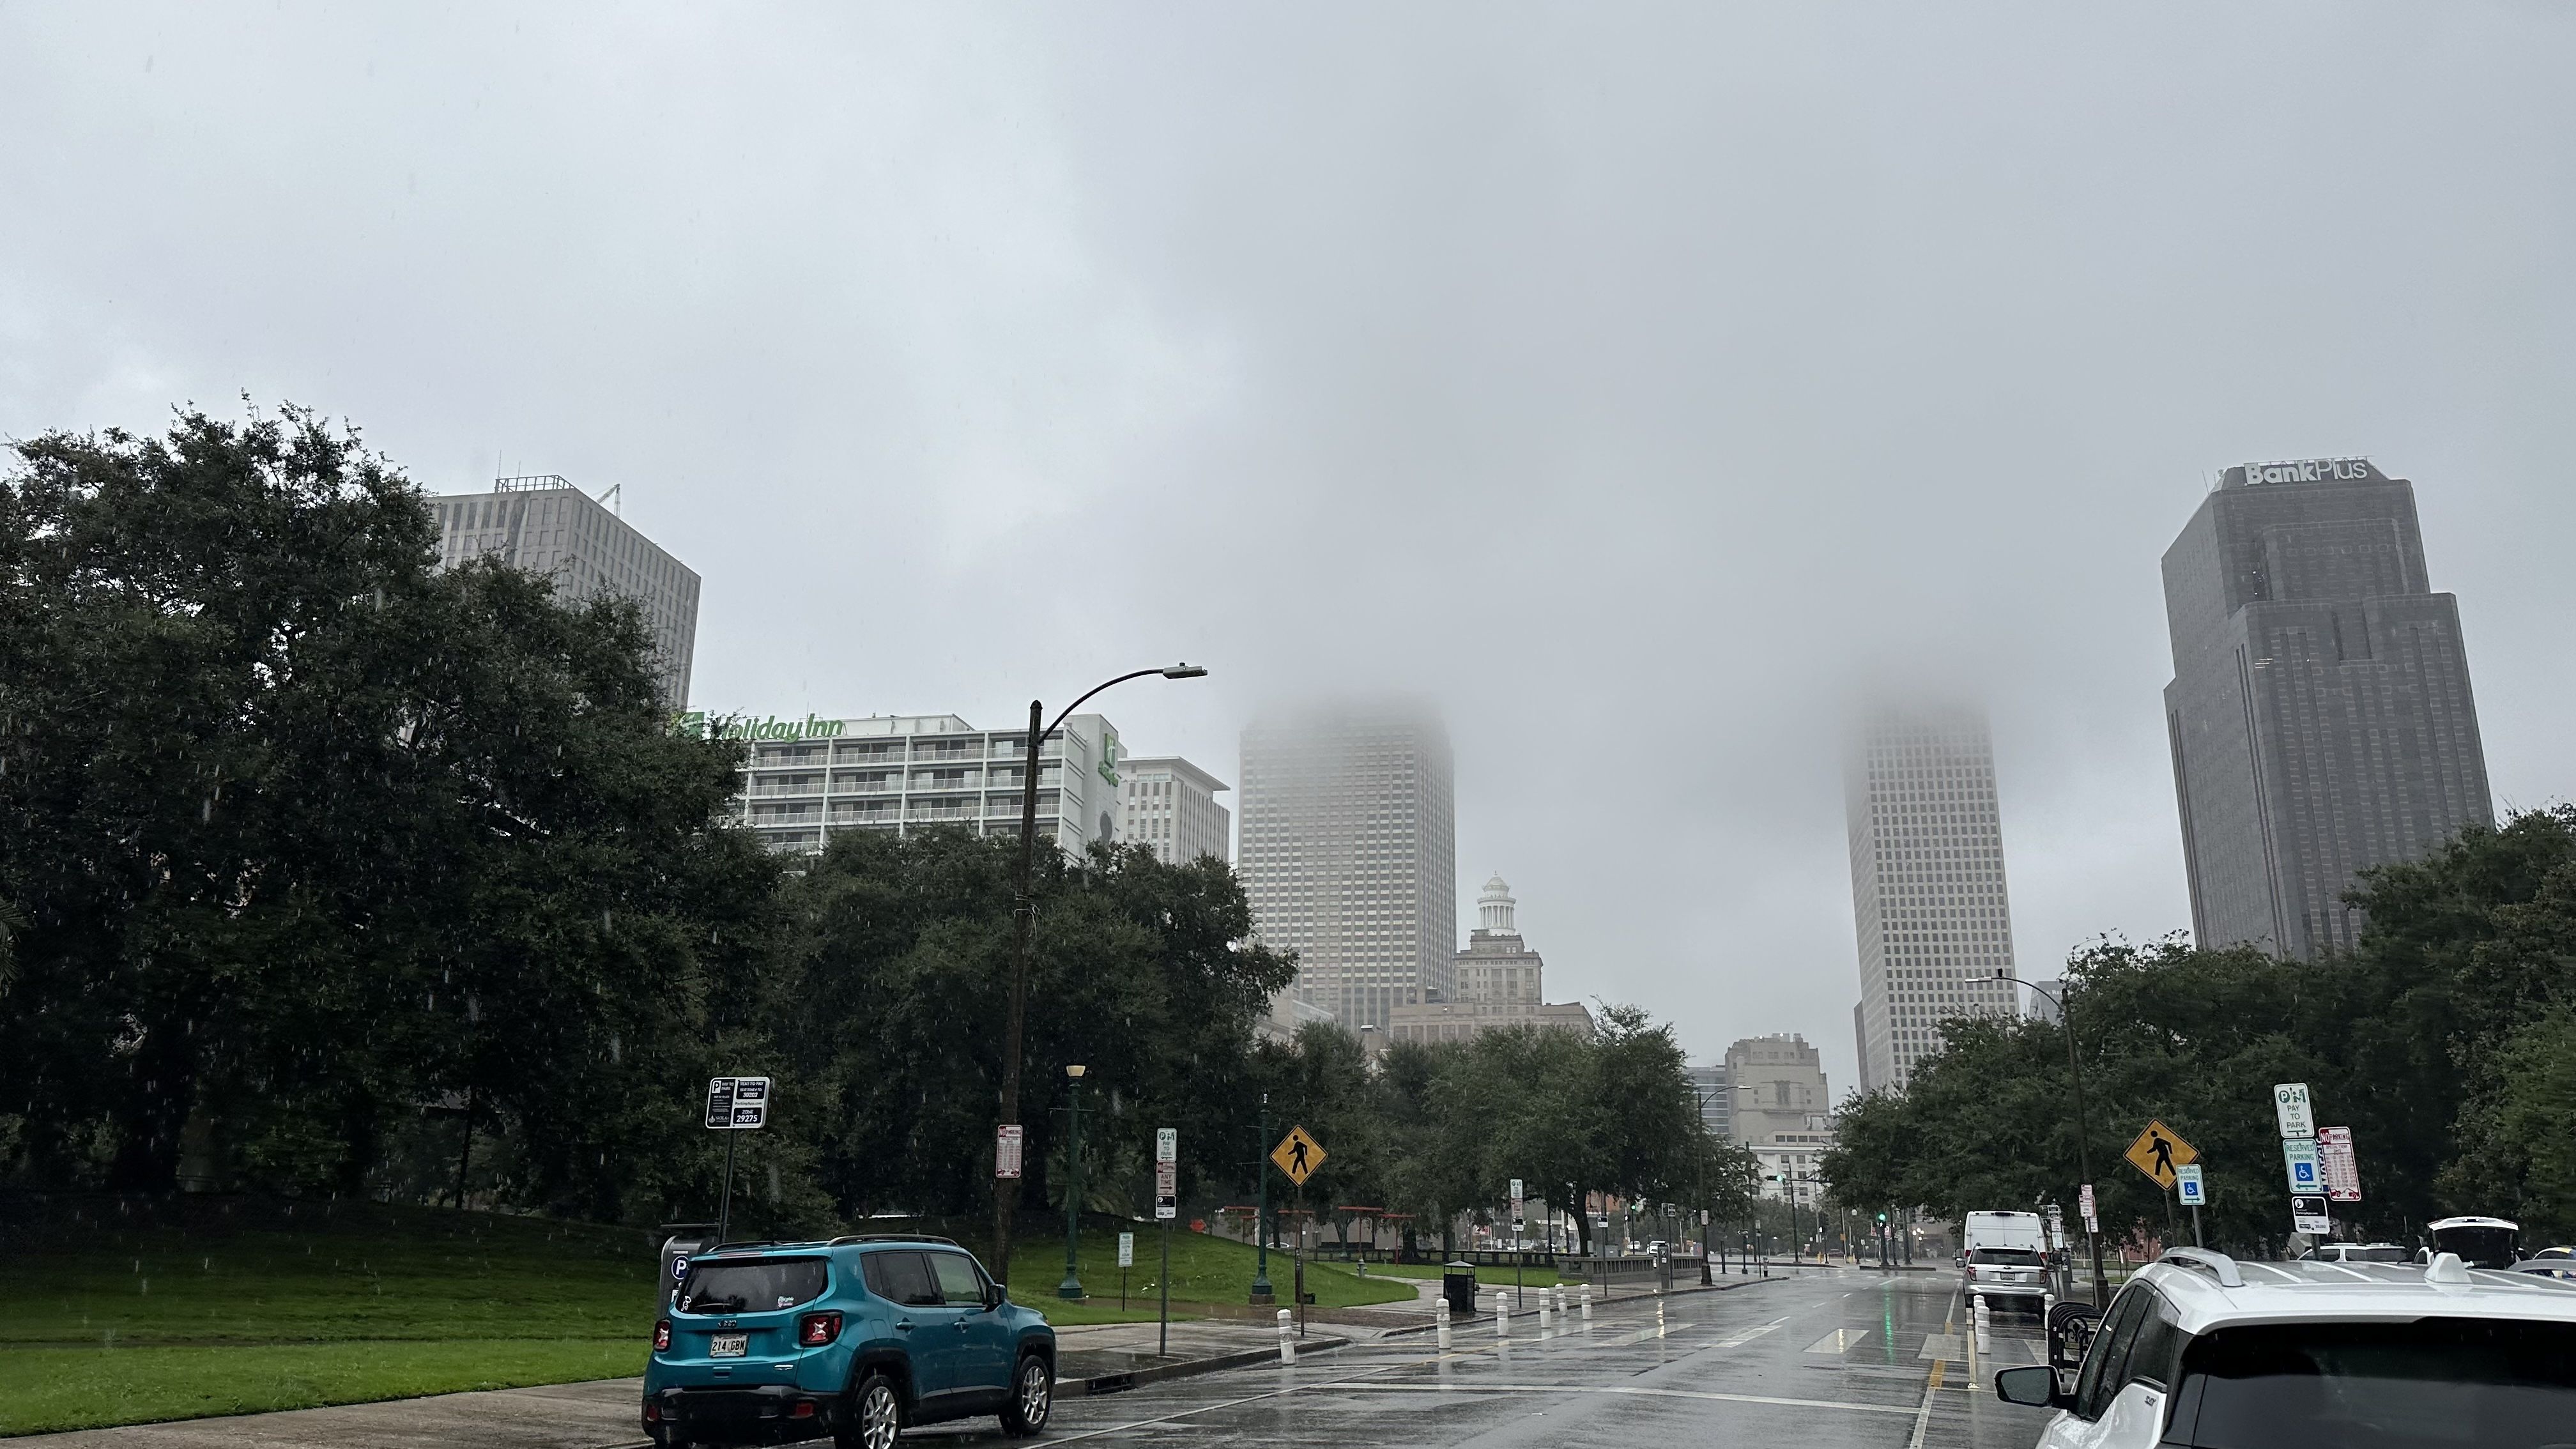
1298 1155
2158 1151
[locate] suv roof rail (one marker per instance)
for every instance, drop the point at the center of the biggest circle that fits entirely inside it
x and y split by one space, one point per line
890 1238
2204 1260
743 1243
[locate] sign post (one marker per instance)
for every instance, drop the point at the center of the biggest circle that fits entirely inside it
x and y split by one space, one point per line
1126 1260
734 1104
2191 1192
1519 1213
1167 1202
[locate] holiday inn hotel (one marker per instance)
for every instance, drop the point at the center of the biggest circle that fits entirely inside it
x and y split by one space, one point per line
808 776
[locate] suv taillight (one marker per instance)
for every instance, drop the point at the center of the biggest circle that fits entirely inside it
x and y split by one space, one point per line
1972 1272
817 1329
661 1335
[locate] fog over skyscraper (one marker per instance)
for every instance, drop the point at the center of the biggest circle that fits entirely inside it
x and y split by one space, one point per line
1349 854
1928 898
2319 716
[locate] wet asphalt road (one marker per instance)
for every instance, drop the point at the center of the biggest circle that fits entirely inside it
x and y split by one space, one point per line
1822 1360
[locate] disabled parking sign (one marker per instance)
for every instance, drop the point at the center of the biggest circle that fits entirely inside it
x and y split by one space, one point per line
2299 1156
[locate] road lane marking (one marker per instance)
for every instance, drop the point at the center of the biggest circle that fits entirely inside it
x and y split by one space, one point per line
1923 1415
1839 1341
1744 1336
1709 1395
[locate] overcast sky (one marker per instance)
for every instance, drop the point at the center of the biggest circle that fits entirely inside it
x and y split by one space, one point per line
1644 384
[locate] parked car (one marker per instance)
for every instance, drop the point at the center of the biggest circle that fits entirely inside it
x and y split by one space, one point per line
2200 1350
2007 1258
2549 1263
2479 1242
858 1338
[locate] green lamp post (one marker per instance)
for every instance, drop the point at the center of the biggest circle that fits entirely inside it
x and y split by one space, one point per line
1071 1287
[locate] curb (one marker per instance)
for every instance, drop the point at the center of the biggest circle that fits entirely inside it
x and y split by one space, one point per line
1098 1384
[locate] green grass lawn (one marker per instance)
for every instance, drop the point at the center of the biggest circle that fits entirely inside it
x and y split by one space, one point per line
74 1388
1205 1269
1489 1277
230 1306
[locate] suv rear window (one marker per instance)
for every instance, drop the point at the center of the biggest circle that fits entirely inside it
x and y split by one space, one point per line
2009 1257
761 1285
2491 1383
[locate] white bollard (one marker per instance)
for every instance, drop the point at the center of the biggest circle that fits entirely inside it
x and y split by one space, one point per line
1984 1345
1287 1339
1502 1315
1587 1303
1543 1315
1659 1318
1440 1321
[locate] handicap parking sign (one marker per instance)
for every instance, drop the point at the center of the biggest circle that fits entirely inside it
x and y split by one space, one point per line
2299 1155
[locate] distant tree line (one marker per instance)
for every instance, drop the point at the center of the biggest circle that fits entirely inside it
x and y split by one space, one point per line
326 870
2446 1040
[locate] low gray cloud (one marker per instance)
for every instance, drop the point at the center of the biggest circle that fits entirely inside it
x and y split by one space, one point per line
1645 383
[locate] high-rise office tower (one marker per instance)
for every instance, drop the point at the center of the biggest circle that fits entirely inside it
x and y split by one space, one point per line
1928 898
1168 804
1497 965
2320 715
1349 855
547 526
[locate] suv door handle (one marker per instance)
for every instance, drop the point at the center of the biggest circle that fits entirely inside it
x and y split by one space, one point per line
960 1325
903 1325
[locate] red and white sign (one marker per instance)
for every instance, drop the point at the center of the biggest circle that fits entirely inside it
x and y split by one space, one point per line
2084 1203
1007 1140
2342 1171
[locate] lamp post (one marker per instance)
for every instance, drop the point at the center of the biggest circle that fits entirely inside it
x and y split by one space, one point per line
2083 1161
1262 1293
1071 1287
1006 1190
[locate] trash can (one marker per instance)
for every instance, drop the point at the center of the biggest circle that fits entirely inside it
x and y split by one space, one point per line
1458 1285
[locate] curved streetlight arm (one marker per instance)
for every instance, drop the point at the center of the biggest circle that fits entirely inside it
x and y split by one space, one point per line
1006 1190
2083 1125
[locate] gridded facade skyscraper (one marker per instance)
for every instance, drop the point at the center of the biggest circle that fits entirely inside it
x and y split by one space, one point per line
547 526
2320 715
1928 896
1349 855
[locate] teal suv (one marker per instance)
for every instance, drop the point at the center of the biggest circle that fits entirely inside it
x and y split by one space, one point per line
856 1338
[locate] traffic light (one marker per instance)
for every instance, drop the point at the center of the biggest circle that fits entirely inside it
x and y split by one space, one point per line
1882 1217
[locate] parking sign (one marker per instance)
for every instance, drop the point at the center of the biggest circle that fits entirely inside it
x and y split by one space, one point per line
737 1104
2299 1156
2188 1190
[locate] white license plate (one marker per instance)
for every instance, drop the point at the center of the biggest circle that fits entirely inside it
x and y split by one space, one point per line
729 1345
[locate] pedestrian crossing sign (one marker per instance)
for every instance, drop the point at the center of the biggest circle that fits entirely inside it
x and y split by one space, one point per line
1298 1155
2158 1151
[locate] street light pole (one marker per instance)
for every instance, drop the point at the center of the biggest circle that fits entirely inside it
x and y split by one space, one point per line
1071 1287
1006 1190
2083 1130
1262 1293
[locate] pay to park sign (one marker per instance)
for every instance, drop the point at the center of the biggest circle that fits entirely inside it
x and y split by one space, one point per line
737 1104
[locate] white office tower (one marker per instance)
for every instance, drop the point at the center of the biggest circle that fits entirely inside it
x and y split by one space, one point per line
1169 804
547 526
1928 897
1349 854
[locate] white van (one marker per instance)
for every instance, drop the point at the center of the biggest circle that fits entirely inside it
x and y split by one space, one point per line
2007 1257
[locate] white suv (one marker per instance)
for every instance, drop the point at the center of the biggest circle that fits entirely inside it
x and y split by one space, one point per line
2204 1351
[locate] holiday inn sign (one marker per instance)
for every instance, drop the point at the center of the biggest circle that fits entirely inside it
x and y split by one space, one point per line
694 724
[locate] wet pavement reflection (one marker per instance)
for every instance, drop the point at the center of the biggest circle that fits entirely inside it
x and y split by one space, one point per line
1823 1359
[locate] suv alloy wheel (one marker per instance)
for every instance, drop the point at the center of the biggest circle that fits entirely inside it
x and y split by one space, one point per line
1032 1396
876 1414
